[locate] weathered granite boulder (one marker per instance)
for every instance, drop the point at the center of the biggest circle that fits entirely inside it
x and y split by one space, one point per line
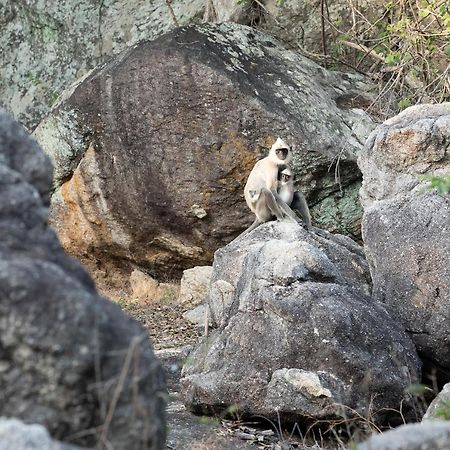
152 150
440 407
69 359
15 435
406 228
46 46
426 436
297 334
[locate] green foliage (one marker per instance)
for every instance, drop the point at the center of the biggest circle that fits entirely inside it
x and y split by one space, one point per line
404 103
205 420
33 78
406 47
52 97
416 389
441 184
232 410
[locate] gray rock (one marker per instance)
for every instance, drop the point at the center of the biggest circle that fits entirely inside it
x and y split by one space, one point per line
199 105
406 228
433 435
196 315
297 23
70 360
440 407
15 435
226 11
46 46
297 333
194 285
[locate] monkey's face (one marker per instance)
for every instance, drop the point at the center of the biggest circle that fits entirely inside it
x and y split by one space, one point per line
285 178
282 153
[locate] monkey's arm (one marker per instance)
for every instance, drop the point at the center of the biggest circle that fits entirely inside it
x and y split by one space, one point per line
271 177
285 208
299 203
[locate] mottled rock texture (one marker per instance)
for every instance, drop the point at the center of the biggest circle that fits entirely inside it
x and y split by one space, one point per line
15 435
194 285
406 228
428 436
47 45
297 334
152 150
440 407
70 360
298 23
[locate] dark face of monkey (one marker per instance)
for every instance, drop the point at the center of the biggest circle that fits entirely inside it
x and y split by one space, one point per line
285 178
282 153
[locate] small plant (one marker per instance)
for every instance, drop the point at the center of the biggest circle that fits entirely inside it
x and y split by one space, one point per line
403 45
440 183
443 410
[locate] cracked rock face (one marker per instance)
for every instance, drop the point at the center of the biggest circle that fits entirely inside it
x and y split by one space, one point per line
406 228
62 346
296 332
152 150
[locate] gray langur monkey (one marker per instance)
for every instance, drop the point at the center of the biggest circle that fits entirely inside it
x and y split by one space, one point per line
295 199
260 190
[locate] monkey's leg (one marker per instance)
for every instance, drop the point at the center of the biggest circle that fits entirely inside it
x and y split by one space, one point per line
299 203
285 208
268 206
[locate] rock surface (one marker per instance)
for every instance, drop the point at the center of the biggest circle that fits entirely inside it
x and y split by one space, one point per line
194 285
406 228
46 46
298 23
440 407
297 333
428 436
70 360
152 150
15 435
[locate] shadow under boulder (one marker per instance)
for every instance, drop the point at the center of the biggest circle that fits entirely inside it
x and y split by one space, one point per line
70 360
297 334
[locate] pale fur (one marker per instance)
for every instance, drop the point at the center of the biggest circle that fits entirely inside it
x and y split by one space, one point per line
265 174
286 188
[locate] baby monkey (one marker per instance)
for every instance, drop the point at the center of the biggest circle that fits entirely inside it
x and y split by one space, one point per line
260 191
295 199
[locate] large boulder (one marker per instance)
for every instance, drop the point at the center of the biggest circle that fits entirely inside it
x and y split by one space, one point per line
406 228
297 333
70 360
47 45
152 150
